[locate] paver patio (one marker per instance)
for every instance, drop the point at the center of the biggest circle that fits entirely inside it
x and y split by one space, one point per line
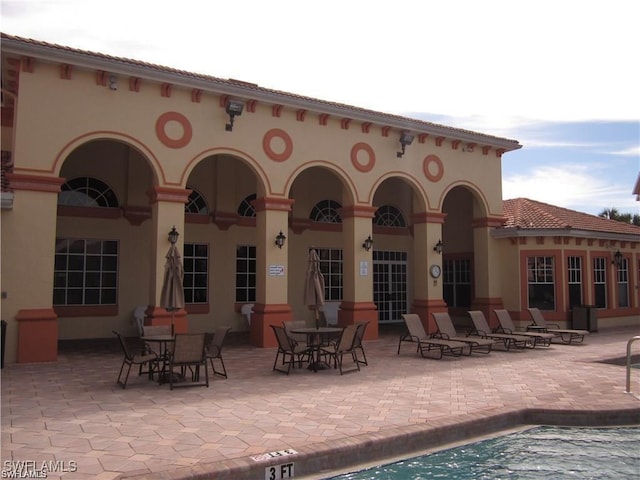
72 414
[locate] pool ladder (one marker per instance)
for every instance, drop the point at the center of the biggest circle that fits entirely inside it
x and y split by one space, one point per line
629 343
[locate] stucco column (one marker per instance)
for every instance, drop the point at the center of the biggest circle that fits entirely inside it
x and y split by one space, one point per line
272 270
486 269
427 291
32 324
167 211
357 275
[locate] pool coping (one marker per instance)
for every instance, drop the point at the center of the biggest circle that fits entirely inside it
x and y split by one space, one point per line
322 460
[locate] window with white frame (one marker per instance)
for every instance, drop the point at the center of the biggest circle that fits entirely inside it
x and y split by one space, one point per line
87 192
245 209
331 268
246 273
623 283
540 283
456 282
326 211
574 278
600 282
196 204
389 216
196 272
85 272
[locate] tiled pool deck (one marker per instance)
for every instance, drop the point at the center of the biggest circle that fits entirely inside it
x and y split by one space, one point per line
73 411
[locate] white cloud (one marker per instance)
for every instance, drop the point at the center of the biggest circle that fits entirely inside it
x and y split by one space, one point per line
540 59
574 186
628 152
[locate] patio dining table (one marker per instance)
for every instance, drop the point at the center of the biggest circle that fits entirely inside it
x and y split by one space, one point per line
163 341
316 337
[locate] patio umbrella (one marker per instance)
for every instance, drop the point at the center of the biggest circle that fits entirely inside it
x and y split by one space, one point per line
314 285
172 296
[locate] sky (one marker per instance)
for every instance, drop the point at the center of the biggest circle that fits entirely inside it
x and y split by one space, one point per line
559 76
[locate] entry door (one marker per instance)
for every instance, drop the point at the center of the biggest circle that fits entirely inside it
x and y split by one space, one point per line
390 285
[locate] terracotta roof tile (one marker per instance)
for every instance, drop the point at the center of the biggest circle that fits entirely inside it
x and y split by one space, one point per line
523 213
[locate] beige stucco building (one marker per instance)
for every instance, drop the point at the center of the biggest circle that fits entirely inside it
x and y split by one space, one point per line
102 156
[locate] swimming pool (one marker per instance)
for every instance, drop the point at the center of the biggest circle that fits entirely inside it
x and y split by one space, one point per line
540 452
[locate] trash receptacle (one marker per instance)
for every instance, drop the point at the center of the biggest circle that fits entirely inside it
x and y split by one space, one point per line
585 317
4 336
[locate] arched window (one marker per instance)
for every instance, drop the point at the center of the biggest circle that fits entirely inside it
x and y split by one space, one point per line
245 209
326 211
389 216
87 192
196 203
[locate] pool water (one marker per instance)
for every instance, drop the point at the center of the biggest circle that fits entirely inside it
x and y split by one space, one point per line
541 452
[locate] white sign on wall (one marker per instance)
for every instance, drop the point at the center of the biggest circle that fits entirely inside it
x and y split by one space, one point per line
276 270
364 268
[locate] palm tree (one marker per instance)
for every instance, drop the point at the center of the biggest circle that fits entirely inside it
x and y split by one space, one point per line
614 214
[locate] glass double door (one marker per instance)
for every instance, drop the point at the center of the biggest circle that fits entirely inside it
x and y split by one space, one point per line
390 285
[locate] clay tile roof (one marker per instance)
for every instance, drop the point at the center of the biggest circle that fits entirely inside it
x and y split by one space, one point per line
523 213
509 144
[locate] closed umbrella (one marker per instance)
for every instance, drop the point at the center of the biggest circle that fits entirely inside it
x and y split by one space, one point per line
314 286
172 296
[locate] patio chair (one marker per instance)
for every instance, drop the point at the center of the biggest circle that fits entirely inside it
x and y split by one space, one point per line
426 344
567 335
507 326
362 326
447 331
188 354
483 330
345 345
130 359
214 350
292 325
290 350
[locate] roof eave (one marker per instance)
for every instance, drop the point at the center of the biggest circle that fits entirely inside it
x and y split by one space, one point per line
515 232
225 87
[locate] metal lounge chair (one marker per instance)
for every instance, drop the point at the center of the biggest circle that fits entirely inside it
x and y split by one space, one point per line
507 326
290 350
130 359
447 331
426 344
188 354
214 350
345 345
567 335
483 330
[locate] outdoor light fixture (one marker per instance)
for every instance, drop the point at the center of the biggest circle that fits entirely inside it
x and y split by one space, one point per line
280 238
233 109
113 82
617 259
368 243
438 247
405 139
173 235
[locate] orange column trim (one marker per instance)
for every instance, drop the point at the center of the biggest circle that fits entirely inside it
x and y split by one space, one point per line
350 313
160 316
37 335
261 334
424 309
